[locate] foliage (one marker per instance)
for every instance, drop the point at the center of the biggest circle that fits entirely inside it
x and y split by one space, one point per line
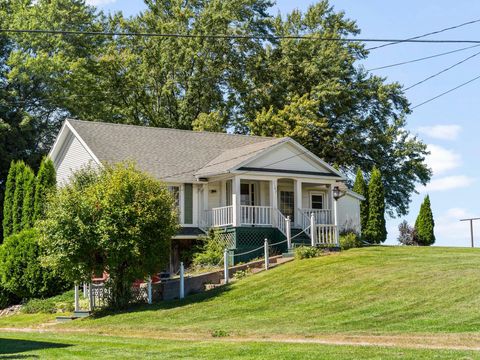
28 198
210 253
21 272
349 240
6 298
44 185
52 305
376 231
424 225
219 333
114 219
8 201
313 91
18 196
360 187
407 234
241 274
307 252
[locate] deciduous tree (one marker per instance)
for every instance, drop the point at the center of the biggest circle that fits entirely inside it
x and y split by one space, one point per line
115 219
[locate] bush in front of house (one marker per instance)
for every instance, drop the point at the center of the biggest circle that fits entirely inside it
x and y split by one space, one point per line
307 252
6 298
115 219
349 240
210 252
21 271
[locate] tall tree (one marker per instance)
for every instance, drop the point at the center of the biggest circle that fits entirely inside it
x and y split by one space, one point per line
376 231
360 187
425 224
44 184
18 197
28 197
8 201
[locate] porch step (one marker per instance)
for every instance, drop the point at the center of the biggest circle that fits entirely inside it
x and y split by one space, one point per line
81 313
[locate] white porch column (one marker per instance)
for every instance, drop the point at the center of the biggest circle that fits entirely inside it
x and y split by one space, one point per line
236 200
298 202
335 215
274 193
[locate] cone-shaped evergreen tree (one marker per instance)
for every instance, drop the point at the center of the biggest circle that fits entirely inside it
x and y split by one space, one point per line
18 197
8 201
28 197
360 187
425 224
376 231
44 183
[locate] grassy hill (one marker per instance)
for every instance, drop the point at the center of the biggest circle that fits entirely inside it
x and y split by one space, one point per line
370 290
405 303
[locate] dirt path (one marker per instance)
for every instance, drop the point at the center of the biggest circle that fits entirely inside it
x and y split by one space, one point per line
455 341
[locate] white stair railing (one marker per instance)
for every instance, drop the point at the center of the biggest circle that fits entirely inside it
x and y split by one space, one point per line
322 216
280 221
326 234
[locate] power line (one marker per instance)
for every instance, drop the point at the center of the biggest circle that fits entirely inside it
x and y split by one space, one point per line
442 71
446 92
423 58
425 35
234 36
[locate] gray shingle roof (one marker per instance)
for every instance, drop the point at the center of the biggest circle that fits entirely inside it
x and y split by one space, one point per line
170 154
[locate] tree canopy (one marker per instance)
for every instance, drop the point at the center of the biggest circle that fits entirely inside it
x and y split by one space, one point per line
313 91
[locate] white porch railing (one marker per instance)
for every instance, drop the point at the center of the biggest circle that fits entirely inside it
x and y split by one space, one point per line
326 235
322 216
221 216
256 215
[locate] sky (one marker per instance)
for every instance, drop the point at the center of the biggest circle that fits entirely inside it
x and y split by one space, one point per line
450 125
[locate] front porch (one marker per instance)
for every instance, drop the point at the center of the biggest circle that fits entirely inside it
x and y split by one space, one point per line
281 203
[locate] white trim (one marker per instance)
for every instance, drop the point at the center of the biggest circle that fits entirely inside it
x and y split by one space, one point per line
355 195
60 140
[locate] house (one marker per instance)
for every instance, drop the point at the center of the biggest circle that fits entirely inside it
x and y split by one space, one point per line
248 187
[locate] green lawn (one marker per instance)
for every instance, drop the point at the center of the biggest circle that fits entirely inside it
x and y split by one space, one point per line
413 295
56 346
371 290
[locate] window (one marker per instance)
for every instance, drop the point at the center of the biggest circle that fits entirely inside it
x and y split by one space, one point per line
287 203
247 194
175 191
317 201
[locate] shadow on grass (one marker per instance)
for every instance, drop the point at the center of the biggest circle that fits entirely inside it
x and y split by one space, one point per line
166 304
10 348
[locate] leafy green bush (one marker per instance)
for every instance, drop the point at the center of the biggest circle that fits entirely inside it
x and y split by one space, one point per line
21 272
115 219
6 298
210 253
349 240
56 304
306 252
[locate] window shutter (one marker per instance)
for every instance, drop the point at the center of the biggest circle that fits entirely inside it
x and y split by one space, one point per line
188 204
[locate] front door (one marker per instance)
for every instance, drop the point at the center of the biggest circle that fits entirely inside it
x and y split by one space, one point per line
287 204
247 194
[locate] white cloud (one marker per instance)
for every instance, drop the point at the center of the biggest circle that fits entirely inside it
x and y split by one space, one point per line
442 132
100 2
441 160
450 231
448 183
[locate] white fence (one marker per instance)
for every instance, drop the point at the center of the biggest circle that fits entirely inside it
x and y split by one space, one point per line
326 235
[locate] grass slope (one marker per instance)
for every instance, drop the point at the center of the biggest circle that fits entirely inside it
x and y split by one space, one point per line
370 290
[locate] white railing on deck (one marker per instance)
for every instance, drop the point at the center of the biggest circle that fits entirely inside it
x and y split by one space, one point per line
220 216
322 216
255 215
326 235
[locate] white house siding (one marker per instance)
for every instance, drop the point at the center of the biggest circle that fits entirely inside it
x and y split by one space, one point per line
348 208
286 157
72 157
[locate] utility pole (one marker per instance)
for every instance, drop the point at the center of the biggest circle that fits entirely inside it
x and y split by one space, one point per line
471 227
